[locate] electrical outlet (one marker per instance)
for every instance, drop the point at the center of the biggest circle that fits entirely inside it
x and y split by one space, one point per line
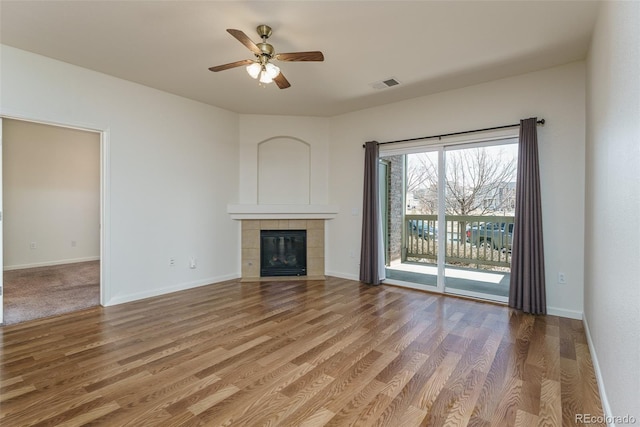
192 263
561 278
33 245
172 262
73 243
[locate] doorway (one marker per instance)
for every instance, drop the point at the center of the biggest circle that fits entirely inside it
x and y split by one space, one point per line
51 219
456 217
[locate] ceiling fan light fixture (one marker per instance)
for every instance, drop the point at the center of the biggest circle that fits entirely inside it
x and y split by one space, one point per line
272 70
265 77
254 70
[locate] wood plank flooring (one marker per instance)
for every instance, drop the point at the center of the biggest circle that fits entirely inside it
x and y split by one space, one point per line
297 353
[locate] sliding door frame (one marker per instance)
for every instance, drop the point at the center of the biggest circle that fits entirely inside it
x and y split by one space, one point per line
493 138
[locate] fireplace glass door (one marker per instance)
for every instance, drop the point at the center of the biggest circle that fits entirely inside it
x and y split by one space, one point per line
283 253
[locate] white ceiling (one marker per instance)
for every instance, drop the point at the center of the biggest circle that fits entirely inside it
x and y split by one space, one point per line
429 46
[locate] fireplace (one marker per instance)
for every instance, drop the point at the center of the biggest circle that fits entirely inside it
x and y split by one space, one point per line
283 253
251 243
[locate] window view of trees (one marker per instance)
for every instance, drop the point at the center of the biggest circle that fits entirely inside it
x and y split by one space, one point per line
479 181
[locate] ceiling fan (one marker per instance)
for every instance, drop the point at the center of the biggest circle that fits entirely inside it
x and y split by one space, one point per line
261 68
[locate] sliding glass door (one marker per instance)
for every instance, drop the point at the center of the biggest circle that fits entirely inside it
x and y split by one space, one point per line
412 206
480 207
454 209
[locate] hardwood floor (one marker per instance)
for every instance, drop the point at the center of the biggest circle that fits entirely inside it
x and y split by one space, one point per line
331 352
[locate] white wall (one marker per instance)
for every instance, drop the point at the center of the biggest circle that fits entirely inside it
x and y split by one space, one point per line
172 170
51 187
557 95
612 267
312 132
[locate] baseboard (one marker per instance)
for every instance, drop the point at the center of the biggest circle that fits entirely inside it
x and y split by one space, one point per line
561 312
342 275
596 368
49 263
170 289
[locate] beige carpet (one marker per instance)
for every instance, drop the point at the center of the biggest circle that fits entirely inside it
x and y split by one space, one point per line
34 293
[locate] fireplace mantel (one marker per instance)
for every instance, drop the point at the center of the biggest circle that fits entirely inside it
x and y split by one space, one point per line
246 211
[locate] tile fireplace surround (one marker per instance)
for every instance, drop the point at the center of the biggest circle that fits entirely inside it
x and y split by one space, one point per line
251 246
256 217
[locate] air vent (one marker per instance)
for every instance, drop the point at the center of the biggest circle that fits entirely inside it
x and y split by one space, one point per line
383 84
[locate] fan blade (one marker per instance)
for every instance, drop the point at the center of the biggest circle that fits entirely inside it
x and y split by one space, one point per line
231 65
300 56
245 40
282 81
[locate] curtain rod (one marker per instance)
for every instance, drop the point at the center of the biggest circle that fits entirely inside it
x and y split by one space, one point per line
540 122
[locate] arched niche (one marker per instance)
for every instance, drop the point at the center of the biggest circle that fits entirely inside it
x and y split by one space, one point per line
284 171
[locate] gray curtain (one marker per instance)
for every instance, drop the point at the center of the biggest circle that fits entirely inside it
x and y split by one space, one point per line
370 251
527 287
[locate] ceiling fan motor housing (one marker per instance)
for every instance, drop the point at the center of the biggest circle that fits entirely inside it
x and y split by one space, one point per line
266 49
264 31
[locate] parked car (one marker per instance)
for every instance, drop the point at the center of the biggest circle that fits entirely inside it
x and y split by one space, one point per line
497 235
418 227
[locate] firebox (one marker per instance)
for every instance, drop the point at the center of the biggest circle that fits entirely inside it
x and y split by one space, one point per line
283 253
